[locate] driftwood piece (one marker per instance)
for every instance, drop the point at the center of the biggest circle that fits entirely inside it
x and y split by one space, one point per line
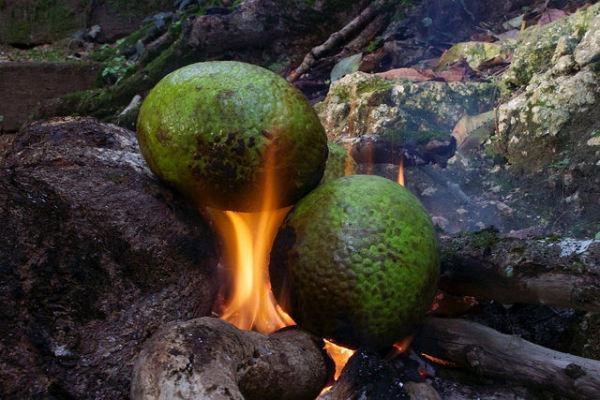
207 358
487 352
485 265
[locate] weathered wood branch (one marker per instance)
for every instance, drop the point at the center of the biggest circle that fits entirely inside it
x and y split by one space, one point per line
486 352
207 358
338 38
485 265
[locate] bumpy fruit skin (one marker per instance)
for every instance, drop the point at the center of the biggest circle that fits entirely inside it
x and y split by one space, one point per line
356 261
205 129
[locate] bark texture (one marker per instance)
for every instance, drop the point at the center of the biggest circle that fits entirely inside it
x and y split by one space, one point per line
487 352
207 358
95 255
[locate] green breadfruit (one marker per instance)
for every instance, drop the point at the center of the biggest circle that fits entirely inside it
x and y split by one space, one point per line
356 262
207 128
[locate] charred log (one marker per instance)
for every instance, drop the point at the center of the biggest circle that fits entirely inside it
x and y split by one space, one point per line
210 359
487 352
485 265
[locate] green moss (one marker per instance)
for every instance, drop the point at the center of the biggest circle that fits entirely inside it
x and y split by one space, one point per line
375 84
484 239
373 45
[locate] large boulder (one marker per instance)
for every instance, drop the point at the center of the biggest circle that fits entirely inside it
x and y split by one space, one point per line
550 132
414 116
23 85
95 255
535 48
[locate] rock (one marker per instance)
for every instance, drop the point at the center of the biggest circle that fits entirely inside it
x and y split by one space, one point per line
475 53
32 22
95 255
547 131
588 50
415 116
120 18
25 84
536 46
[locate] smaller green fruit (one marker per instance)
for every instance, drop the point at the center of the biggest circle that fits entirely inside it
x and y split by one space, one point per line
356 262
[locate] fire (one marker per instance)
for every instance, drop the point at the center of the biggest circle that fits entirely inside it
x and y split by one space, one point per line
247 240
340 356
400 178
249 237
438 361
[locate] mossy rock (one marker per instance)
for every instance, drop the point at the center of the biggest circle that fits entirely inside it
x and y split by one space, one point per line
356 262
536 46
209 128
32 22
400 110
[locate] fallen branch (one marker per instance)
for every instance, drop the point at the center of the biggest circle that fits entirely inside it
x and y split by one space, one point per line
207 358
563 273
339 37
487 352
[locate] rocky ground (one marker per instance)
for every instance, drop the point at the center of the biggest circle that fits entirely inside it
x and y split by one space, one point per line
491 106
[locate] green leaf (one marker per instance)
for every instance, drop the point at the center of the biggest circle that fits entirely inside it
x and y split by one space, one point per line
346 66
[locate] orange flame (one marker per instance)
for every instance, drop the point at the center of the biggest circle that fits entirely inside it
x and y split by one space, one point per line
400 178
340 356
247 240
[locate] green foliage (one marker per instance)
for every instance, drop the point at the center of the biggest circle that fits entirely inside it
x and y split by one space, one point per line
116 69
562 164
373 45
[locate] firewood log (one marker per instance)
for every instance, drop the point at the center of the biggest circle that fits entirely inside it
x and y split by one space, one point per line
487 352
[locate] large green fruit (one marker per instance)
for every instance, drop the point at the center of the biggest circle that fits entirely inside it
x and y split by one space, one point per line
356 262
206 128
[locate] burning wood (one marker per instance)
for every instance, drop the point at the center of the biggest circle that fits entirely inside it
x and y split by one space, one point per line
487 352
210 359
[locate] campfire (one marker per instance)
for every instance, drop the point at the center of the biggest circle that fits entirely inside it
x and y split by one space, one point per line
326 200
